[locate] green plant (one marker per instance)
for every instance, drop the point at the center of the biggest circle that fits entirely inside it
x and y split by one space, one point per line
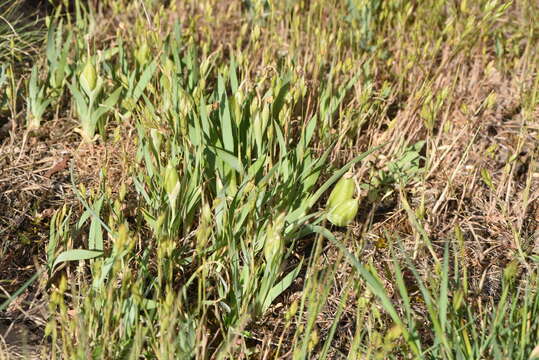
91 101
36 100
407 168
58 50
214 163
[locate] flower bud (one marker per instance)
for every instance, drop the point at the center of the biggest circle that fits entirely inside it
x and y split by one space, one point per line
343 191
344 214
274 244
172 182
156 138
142 54
169 67
204 229
88 78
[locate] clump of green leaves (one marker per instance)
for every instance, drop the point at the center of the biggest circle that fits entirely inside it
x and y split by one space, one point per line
59 46
215 195
92 101
37 101
407 168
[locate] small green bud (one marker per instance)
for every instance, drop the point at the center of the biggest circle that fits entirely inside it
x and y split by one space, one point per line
172 182
122 192
171 178
274 244
344 214
88 77
142 54
156 138
204 229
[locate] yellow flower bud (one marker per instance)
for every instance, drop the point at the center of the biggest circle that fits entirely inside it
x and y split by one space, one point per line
344 214
88 77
